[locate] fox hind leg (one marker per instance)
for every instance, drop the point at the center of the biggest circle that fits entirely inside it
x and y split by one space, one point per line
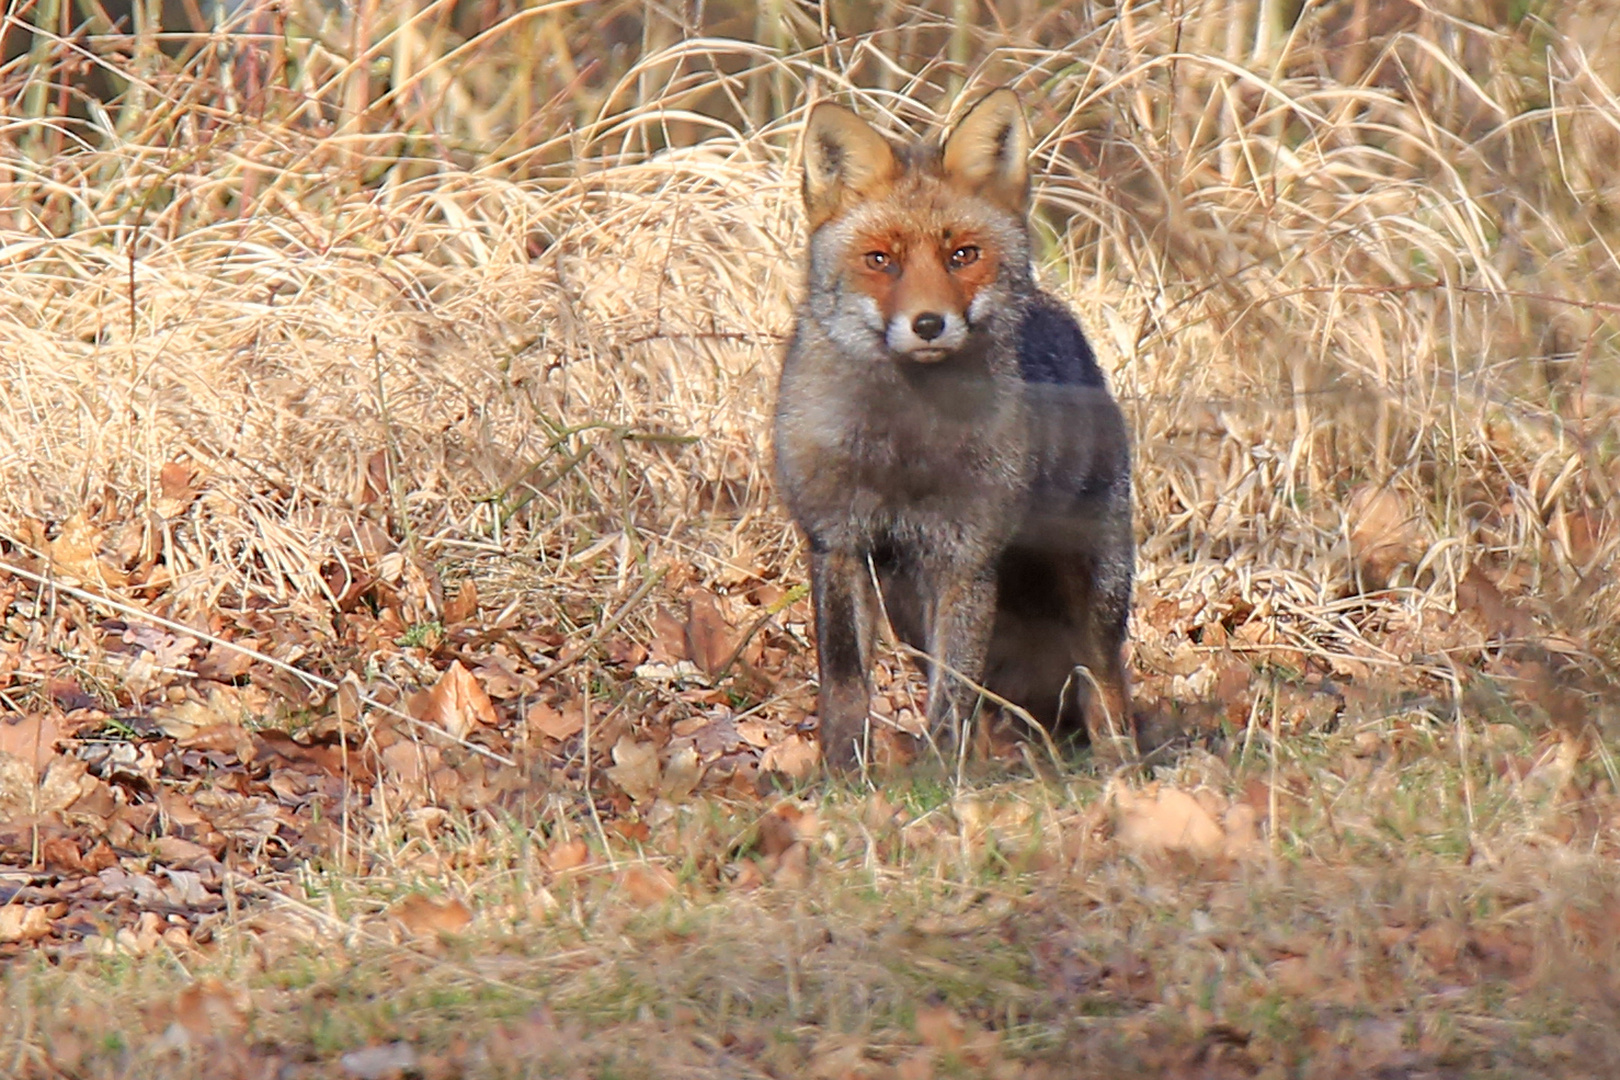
1104 697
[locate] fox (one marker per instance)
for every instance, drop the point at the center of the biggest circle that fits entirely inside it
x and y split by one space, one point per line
946 442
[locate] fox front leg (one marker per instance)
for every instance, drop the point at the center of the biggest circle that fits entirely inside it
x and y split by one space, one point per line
846 614
958 634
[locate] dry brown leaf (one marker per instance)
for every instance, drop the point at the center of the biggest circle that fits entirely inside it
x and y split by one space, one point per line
1163 819
755 733
1441 943
682 773
746 876
178 851
224 663
381 1062
635 768
892 749
1478 597
210 1008
917 1065
31 739
455 703
794 756
709 638
68 694
625 652
502 678
791 869
1385 531
668 646
568 855
19 922
65 780
1297 977
647 885
786 825
374 484
424 915
76 550
464 605
405 761
224 738
941 1027
178 486
555 723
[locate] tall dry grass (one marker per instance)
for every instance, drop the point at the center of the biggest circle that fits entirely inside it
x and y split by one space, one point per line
540 256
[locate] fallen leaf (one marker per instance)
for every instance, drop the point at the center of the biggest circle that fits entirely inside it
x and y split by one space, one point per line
224 738
30 739
374 480
917 1065
423 915
668 646
941 1027
68 694
76 549
795 756
754 732
224 663
568 855
211 1008
1165 819
682 773
1478 596
635 768
464 605
647 885
786 825
708 636
1385 532
455 703
555 723
178 851
178 487
20 922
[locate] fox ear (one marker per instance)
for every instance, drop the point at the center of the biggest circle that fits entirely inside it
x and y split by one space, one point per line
844 156
988 153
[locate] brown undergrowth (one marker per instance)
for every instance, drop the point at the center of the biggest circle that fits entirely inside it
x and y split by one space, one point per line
405 666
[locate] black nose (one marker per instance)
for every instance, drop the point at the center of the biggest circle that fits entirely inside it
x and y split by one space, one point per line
928 326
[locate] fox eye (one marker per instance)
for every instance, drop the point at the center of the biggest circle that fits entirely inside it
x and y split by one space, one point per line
966 255
879 260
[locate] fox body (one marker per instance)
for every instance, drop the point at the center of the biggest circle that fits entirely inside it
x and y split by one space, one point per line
945 438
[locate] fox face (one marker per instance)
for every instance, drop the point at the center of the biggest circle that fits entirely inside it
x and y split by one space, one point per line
914 249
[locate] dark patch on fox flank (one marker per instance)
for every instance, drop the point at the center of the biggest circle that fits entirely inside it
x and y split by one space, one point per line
1053 349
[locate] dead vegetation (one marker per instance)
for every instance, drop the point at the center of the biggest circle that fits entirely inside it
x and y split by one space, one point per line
399 631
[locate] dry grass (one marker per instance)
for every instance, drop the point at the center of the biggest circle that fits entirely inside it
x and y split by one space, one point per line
512 292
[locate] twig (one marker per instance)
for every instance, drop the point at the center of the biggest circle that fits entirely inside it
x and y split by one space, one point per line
606 627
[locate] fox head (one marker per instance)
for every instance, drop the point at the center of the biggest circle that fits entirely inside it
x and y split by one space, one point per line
916 251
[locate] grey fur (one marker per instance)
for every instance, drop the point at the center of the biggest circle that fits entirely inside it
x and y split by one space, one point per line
989 487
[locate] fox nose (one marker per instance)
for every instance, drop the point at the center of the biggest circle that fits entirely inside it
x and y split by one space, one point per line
928 325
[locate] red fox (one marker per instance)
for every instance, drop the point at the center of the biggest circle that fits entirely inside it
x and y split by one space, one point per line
946 440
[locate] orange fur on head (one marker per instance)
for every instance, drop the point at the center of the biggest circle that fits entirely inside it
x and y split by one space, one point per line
923 272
